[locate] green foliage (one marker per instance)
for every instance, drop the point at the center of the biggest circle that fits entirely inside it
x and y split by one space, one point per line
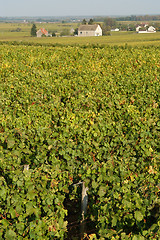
53 34
110 22
84 22
79 114
76 31
33 30
65 32
106 30
90 22
16 30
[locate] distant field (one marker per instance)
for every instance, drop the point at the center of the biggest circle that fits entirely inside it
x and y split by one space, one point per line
120 38
7 33
8 29
132 39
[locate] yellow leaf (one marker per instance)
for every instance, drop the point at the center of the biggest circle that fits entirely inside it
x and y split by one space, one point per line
132 178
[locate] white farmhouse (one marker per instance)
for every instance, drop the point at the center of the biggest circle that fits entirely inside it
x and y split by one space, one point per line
89 30
141 29
151 29
138 28
115 30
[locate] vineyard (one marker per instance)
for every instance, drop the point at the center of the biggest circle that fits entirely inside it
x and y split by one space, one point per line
79 114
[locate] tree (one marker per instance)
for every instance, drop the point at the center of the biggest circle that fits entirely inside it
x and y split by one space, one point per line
33 30
53 34
90 21
65 32
157 26
106 30
107 25
109 22
76 31
84 22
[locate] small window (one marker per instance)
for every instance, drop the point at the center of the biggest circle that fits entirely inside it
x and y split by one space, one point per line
80 32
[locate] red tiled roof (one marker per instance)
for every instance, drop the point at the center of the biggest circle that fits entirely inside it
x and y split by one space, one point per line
43 31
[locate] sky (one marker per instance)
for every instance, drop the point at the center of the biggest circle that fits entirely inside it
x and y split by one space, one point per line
15 8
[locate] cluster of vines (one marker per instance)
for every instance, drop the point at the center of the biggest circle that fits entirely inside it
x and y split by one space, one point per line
79 114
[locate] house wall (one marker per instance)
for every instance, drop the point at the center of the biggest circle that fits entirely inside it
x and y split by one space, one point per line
86 33
151 29
97 32
142 31
145 32
39 34
138 28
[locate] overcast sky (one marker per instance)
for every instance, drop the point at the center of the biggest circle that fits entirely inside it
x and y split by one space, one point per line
78 7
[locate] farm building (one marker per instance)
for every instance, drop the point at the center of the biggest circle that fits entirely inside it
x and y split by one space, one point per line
145 29
89 30
151 29
115 30
41 32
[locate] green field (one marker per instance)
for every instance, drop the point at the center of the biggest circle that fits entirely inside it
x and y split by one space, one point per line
7 29
80 114
121 38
